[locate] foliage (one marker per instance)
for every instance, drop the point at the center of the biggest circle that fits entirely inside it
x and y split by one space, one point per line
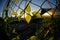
41 28
51 38
28 18
14 13
37 14
15 1
33 38
45 28
19 18
28 9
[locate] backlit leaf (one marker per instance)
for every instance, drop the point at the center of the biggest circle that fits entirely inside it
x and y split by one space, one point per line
33 38
18 37
6 19
13 31
51 38
21 12
46 33
13 39
28 9
14 13
28 18
37 14
15 1
19 18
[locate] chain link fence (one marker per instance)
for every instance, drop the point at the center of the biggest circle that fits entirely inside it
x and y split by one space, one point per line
36 5
25 30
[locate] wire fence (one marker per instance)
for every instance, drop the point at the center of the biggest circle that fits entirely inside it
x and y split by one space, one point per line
23 29
22 5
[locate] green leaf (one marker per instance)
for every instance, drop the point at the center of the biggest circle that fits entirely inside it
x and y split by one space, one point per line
51 38
28 18
18 37
21 12
46 33
37 14
13 31
28 9
14 13
19 18
33 38
5 19
13 39
15 1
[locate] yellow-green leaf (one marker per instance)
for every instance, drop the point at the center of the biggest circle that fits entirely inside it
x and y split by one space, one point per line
5 19
15 1
13 31
37 14
19 18
28 18
18 37
21 12
13 39
14 13
51 38
34 12
33 38
46 33
28 9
